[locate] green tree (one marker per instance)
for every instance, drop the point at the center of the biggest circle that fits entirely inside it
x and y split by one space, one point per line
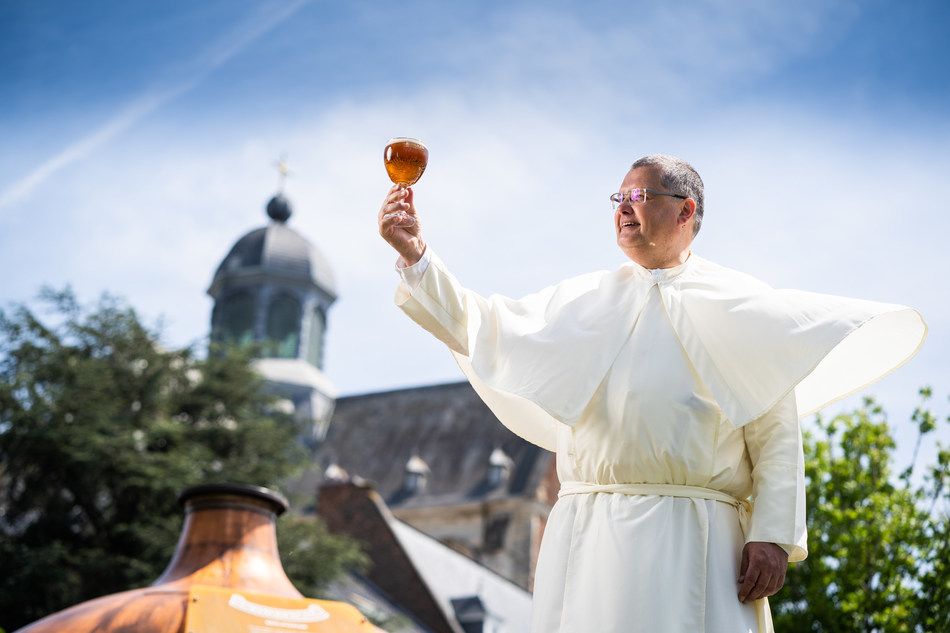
312 555
878 545
100 429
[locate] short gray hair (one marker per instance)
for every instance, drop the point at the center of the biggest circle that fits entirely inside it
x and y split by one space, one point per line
677 176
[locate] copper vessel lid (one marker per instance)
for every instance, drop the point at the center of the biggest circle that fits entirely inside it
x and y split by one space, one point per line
193 496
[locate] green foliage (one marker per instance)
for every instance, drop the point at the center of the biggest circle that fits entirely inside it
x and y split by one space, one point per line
100 429
312 556
878 552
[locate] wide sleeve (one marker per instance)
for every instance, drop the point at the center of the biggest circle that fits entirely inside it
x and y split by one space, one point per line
774 443
432 297
481 332
753 344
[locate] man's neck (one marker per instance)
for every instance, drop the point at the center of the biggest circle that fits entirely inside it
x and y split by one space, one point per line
653 260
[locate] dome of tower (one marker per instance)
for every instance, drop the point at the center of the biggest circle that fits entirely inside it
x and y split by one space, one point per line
275 250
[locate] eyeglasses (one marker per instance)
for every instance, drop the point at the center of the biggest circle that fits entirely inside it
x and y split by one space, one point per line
639 194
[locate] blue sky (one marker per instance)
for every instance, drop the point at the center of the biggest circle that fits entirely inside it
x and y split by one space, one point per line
140 139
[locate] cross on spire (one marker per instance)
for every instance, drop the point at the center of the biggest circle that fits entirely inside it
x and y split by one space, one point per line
283 170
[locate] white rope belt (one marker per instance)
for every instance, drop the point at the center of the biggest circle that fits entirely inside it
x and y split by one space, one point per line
743 506
664 490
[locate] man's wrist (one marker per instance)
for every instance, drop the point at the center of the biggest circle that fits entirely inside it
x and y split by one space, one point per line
412 275
411 259
777 545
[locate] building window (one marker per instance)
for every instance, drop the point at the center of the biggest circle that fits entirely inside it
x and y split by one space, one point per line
495 529
499 467
283 327
416 475
236 323
470 613
315 349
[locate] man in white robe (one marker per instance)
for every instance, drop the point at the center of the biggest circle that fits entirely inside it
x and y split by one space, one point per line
670 390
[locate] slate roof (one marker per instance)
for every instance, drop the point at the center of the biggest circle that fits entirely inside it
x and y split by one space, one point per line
277 250
373 603
431 583
374 435
465 588
356 510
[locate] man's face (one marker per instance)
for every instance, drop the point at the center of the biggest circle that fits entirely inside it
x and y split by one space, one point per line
651 226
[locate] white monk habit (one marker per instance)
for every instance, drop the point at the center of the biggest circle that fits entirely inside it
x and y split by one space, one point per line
670 396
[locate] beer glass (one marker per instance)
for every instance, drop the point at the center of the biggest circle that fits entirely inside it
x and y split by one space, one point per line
405 160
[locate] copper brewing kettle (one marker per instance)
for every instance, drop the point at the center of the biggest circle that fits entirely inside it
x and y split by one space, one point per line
229 540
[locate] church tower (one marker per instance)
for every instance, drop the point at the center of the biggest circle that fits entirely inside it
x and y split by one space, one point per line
275 288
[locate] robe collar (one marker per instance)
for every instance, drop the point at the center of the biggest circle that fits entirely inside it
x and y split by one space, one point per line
659 275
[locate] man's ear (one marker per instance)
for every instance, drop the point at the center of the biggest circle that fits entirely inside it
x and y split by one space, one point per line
688 209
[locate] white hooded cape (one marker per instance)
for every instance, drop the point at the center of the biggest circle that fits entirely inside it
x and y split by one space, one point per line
537 361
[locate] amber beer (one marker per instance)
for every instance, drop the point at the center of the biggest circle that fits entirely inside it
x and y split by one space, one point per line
405 159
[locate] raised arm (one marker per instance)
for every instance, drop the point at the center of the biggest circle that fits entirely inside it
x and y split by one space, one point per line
511 350
439 306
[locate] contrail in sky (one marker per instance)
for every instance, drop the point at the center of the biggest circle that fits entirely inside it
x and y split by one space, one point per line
226 48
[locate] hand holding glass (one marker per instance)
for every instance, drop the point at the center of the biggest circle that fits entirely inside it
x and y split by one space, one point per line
405 160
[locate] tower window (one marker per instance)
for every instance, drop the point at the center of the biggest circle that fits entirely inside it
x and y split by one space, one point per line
283 327
315 349
236 320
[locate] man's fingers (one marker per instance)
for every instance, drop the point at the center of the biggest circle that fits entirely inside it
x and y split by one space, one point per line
398 200
397 228
759 582
389 223
744 564
758 589
393 207
398 221
395 198
762 570
748 584
761 588
778 581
